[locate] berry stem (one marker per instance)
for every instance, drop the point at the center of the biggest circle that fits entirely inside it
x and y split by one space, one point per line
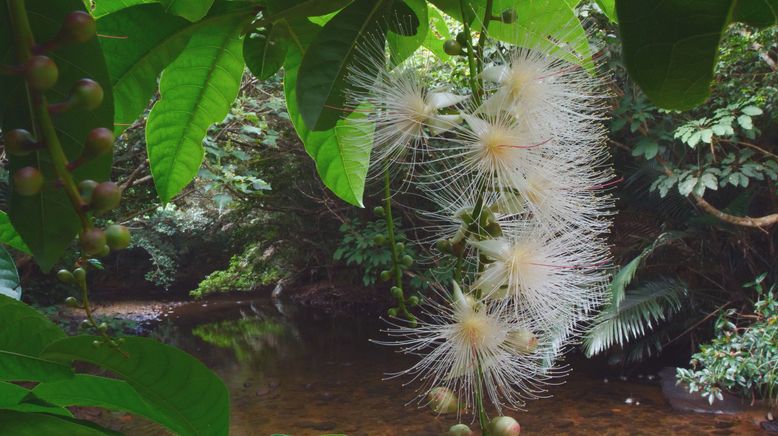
398 275
41 118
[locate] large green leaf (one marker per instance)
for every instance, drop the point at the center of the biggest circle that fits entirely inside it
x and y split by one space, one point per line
47 221
93 391
9 277
197 90
608 8
342 154
24 330
433 42
670 47
295 9
265 51
321 79
136 54
22 367
36 424
9 236
192 10
402 46
168 379
15 397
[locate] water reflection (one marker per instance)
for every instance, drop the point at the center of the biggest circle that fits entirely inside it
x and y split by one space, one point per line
289 373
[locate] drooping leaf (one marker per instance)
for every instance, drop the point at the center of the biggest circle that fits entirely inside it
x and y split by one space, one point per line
341 159
402 45
295 9
24 330
35 424
168 379
197 90
15 397
265 51
9 236
9 277
136 53
321 79
192 10
93 391
46 221
670 47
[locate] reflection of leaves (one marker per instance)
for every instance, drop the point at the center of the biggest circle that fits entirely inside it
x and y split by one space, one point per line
251 339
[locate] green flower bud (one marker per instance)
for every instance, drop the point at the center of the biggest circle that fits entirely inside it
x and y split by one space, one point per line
386 275
85 189
504 426
463 38
443 400
399 247
79 274
65 276
41 73
413 300
86 94
407 261
72 302
103 327
85 324
392 313
379 239
412 322
379 211
396 292
97 343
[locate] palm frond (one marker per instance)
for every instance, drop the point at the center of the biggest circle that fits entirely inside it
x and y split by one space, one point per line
637 312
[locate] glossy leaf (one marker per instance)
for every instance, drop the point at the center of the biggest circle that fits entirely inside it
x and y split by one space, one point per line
322 73
192 10
670 47
9 277
93 391
197 90
9 236
759 13
15 397
169 380
22 367
36 424
136 54
24 330
294 9
46 221
265 51
401 46
608 8
341 161
432 42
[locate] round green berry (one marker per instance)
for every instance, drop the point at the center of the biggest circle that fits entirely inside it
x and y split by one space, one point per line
92 241
41 73
86 94
78 27
99 141
65 276
28 181
117 236
105 196
19 142
452 47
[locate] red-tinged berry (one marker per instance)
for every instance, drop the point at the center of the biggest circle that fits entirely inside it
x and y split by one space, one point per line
105 196
92 241
99 141
78 27
504 426
41 73
19 142
86 94
117 236
85 188
28 181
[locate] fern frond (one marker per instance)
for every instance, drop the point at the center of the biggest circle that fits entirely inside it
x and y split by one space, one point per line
638 312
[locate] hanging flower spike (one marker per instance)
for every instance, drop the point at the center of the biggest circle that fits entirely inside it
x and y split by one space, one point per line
551 280
455 340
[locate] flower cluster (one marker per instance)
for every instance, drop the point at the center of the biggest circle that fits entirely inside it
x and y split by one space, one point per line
518 173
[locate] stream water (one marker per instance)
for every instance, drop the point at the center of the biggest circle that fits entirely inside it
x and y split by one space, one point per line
290 373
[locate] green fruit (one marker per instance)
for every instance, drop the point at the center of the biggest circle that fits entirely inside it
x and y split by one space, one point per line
105 196
504 426
41 73
19 142
79 274
104 252
92 241
459 430
72 302
86 94
379 239
78 27
413 300
117 236
452 47
65 276
85 188
399 247
463 38
407 261
386 275
379 211
396 292
28 181
392 312
98 142
85 324
508 16
412 322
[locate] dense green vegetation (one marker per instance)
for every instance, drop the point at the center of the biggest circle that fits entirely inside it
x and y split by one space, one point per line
233 173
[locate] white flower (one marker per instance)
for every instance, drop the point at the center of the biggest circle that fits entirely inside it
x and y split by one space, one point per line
454 341
402 108
552 280
550 96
